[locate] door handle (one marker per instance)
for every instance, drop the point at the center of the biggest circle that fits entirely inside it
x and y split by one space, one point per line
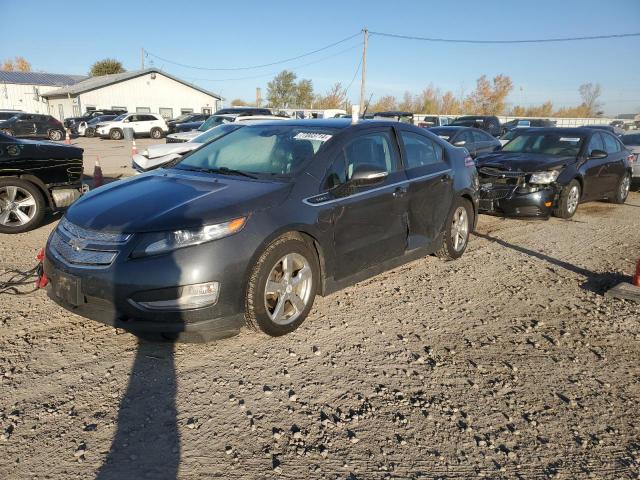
400 192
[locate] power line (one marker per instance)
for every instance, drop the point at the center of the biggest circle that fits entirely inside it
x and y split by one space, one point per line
251 67
539 40
354 76
275 73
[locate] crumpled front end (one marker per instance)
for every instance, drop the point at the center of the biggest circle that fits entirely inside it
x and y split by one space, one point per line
508 193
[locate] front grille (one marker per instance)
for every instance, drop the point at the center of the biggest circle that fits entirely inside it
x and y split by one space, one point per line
495 194
79 246
496 172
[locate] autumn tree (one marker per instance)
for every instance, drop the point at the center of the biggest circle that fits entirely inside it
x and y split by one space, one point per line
590 94
336 97
17 64
108 66
385 103
449 104
238 102
489 97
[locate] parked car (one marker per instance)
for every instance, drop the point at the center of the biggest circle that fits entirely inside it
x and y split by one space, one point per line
550 171
476 141
7 114
631 140
35 176
33 125
430 121
618 132
488 123
143 124
71 122
215 120
88 128
511 134
251 227
526 123
187 122
161 154
244 111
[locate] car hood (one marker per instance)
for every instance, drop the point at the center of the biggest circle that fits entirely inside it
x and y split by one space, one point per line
162 149
172 199
523 162
186 136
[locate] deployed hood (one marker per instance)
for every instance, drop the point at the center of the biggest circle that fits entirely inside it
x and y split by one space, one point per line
523 162
157 155
166 200
185 136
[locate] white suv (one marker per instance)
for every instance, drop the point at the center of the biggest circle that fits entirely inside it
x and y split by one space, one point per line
143 124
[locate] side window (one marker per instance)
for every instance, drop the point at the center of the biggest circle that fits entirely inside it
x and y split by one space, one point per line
480 136
595 143
420 150
611 145
26 118
467 136
375 149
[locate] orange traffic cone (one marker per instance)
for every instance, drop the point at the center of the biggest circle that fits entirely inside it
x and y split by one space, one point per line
67 140
134 149
98 179
636 277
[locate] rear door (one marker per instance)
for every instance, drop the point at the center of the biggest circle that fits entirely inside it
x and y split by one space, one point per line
430 187
616 165
595 170
370 223
25 126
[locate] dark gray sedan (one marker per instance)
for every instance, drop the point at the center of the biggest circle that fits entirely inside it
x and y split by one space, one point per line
250 227
476 141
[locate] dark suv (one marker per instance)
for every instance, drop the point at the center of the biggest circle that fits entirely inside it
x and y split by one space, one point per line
72 122
488 123
33 125
251 226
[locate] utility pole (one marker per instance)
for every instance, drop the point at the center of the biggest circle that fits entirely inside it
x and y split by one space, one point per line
142 58
364 68
258 97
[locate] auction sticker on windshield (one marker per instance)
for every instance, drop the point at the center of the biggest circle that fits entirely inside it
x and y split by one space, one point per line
569 139
318 137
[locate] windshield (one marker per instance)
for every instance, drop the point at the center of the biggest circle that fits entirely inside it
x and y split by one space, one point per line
215 133
182 117
261 149
119 118
631 139
511 134
214 121
546 143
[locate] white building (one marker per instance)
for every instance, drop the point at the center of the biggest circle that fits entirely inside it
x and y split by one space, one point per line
23 90
141 91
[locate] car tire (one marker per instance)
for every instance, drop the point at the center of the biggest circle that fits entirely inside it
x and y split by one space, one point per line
15 190
115 134
568 201
279 297
55 135
89 132
457 230
622 192
156 133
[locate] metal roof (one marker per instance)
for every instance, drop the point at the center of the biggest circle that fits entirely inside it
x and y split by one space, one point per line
39 78
93 83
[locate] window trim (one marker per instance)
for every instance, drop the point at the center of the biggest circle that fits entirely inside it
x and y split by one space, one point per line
444 158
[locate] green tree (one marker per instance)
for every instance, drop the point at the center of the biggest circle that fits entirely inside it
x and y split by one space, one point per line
304 94
107 66
282 90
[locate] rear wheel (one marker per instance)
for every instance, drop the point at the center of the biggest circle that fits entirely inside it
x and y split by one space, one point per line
282 286
622 192
21 206
89 132
55 135
457 231
568 201
115 134
156 133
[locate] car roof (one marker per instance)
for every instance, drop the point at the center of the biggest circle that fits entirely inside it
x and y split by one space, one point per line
339 123
452 128
561 130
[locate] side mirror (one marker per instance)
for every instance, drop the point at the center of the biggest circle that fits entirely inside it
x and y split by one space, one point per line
459 143
598 154
365 175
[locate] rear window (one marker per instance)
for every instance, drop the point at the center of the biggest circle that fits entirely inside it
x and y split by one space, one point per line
633 139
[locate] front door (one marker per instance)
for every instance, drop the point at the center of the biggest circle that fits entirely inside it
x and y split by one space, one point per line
370 223
26 126
430 188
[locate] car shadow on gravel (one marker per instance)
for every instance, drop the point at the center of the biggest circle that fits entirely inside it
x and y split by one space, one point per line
595 282
147 440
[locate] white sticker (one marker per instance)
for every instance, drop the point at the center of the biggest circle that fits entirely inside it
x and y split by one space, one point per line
319 137
445 137
569 139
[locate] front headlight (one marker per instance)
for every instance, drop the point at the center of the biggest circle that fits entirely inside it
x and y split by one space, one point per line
158 243
544 178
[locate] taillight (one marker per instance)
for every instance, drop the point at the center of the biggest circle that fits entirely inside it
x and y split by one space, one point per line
632 157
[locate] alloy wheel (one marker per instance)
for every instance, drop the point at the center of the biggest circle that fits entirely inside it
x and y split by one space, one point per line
288 289
17 206
625 186
573 198
459 229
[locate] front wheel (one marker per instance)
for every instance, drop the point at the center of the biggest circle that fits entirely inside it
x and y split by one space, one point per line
457 230
568 201
282 286
89 132
55 135
622 192
115 134
156 133
21 206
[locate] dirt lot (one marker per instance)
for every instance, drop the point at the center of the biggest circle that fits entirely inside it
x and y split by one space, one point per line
509 363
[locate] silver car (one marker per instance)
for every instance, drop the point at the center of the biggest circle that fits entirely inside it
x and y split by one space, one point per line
632 142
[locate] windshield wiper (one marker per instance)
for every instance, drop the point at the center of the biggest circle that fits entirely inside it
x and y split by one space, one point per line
229 171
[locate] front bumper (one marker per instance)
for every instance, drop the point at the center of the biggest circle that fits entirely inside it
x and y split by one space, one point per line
514 204
112 294
635 169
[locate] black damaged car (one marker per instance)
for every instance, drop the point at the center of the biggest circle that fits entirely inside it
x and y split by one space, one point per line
252 226
34 176
550 171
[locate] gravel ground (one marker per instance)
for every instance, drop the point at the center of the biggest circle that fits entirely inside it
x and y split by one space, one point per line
509 363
